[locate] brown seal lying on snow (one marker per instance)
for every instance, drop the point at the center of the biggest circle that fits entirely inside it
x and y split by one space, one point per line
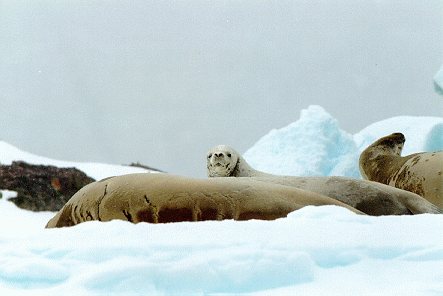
420 173
161 198
369 197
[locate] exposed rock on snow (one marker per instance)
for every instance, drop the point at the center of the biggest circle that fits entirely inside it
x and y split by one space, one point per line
41 187
139 165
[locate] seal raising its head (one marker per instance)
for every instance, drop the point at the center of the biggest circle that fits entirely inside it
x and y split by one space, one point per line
382 149
420 173
223 161
369 197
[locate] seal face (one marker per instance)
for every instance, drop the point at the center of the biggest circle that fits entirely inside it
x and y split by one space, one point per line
221 161
224 161
369 197
392 144
420 173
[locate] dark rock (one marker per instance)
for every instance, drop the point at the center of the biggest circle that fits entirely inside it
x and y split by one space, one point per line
139 165
41 187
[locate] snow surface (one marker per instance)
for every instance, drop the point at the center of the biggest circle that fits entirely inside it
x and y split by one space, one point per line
314 251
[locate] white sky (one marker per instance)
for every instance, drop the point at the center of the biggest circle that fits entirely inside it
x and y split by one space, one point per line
163 82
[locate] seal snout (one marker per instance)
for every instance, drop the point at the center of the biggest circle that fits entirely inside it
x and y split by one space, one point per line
217 159
398 137
392 145
219 155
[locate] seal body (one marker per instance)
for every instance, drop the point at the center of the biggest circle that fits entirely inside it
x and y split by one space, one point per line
372 198
420 173
162 198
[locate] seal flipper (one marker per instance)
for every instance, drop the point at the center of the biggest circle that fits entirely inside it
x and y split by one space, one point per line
421 206
62 219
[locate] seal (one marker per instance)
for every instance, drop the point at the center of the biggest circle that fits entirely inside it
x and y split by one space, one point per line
420 173
224 161
370 197
162 198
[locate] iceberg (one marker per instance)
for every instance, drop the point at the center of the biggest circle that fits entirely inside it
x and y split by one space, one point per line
314 145
438 81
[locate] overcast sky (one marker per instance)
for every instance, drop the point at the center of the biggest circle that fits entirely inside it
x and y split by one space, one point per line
162 82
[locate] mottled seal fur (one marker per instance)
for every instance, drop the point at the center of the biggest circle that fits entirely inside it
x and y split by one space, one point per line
420 173
161 198
369 197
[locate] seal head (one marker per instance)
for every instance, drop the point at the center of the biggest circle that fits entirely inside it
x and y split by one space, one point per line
221 161
383 150
224 161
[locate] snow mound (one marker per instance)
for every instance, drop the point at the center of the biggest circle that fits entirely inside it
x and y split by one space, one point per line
306 252
98 171
312 146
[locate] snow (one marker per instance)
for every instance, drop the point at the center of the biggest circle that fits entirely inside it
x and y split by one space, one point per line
313 251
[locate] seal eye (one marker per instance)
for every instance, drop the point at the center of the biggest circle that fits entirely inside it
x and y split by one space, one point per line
229 154
209 155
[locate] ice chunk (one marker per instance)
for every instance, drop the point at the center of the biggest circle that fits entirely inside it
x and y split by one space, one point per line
312 146
438 81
